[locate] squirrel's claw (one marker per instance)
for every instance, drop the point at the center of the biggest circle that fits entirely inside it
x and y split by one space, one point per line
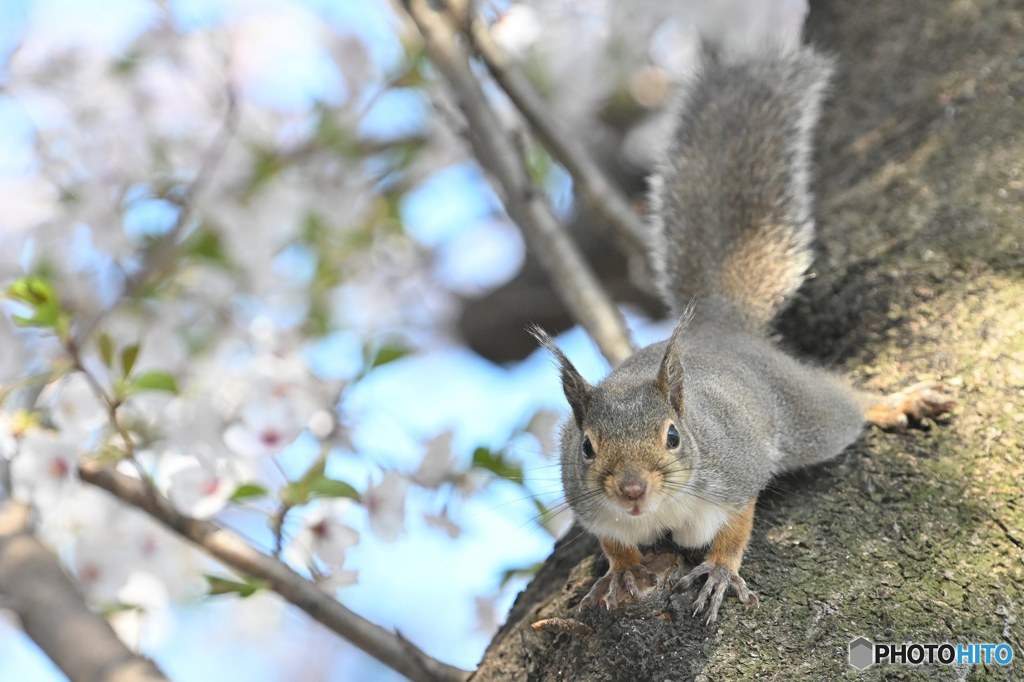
619 587
926 399
899 410
720 578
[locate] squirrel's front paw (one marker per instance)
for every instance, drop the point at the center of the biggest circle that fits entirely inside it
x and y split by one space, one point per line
719 579
618 587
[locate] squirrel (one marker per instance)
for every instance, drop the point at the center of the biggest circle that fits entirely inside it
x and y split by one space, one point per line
683 435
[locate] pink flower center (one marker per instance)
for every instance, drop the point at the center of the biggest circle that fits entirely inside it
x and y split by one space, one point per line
271 438
211 486
59 468
149 546
321 530
90 574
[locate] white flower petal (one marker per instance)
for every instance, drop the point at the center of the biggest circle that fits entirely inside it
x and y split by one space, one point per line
385 504
436 466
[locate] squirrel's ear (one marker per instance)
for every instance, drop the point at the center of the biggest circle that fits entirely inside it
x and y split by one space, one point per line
577 391
669 379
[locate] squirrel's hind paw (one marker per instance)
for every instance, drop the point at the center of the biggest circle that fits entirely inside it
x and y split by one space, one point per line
720 578
897 411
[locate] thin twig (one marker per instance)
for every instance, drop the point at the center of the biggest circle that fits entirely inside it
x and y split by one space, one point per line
52 612
560 625
224 545
277 526
595 186
573 279
112 404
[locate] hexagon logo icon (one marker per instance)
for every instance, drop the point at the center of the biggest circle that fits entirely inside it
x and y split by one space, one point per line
861 653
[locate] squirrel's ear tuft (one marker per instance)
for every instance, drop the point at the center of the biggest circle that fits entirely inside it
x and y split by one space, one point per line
577 391
669 379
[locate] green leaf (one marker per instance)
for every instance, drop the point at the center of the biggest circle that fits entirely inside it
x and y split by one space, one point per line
38 294
294 494
220 585
46 316
108 454
33 290
521 572
106 346
389 352
318 321
205 243
298 493
329 487
316 469
128 357
497 464
333 136
248 491
315 483
108 610
155 381
314 229
539 165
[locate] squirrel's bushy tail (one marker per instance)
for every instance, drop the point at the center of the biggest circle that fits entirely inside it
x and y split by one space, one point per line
729 200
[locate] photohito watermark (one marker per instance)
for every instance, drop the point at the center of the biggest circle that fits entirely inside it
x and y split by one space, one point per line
865 653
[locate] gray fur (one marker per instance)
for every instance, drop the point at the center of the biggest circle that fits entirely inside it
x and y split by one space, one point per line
736 171
750 413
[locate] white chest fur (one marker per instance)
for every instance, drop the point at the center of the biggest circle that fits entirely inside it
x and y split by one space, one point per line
693 522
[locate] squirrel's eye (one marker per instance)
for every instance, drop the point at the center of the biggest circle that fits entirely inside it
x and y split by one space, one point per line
672 437
588 449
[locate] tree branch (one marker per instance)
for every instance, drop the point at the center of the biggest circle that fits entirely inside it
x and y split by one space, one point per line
224 545
603 194
78 641
572 277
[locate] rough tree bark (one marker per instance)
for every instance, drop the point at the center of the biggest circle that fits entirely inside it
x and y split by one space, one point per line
920 272
52 612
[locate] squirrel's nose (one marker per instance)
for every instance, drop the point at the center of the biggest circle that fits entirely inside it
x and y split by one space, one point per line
633 490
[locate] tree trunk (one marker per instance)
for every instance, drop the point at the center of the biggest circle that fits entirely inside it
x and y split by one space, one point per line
920 272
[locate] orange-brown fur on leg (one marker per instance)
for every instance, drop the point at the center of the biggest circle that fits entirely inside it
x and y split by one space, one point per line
627 579
731 542
722 565
620 557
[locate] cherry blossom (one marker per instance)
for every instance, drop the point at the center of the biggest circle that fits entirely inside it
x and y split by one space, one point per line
385 505
542 426
112 544
436 467
101 568
30 202
199 489
78 512
148 621
265 427
45 467
325 537
444 523
76 409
